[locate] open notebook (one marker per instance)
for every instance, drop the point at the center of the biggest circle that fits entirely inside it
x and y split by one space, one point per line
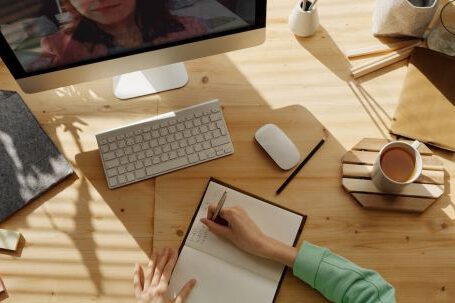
225 273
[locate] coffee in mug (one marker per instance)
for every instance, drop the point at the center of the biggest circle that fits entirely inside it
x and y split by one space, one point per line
397 165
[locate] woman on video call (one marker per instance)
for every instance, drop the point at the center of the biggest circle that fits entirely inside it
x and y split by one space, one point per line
338 279
102 27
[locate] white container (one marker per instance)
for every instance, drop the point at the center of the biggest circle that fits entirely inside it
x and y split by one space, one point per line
303 23
396 18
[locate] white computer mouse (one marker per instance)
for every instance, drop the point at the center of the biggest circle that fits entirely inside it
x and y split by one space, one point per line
278 145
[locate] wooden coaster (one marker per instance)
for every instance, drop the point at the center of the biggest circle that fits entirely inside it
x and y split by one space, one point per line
416 197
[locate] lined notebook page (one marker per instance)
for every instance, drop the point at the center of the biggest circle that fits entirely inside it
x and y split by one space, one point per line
226 263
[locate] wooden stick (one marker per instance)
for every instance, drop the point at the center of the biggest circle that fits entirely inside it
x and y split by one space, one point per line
379 49
375 65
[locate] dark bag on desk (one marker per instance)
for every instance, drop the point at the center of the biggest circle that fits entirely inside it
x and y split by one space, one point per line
29 161
426 111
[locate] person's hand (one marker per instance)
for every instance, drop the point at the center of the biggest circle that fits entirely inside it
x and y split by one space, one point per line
153 287
241 231
246 235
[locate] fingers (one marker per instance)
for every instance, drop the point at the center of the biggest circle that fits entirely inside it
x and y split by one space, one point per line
217 229
185 292
150 270
225 213
165 277
161 263
137 281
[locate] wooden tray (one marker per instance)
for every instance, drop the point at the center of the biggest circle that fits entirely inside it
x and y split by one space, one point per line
416 197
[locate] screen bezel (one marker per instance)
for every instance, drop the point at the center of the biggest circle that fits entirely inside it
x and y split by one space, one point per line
18 72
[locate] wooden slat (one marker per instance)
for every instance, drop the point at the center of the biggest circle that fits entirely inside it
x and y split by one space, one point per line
374 144
365 157
389 202
412 190
364 171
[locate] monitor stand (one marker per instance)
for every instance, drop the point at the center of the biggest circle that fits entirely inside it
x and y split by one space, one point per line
150 81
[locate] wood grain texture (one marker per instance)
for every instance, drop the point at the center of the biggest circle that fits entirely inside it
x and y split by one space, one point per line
82 240
364 172
411 190
389 202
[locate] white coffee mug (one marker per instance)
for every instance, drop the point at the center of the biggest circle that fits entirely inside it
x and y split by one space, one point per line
386 184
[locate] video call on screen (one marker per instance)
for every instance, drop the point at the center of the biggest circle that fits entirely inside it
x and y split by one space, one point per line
55 33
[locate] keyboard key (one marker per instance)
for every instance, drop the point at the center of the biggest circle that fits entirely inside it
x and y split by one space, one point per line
148 162
109 156
130 167
141 155
219 151
121 143
104 148
212 126
164 124
138 139
138 132
198 115
149 153
111 139
208 136
146 129
175 145
139 165
172 122
170 138
130 141
215 117
193 158
113 146
155 126
112 163
147 136
181 119
164 132
156 160
215 110
132 158
192 141
161 141
205 120
195 131
178 136
166 148
145 146
183 143
154 143
122 169
122 179
189 150
204 129
219 141
130 176
199 138
103 142
113 182
170 165
198 147
189 124
223 131
164 157
172 155
211 153
181 152
180 127
119 153
136 148
155 134
187 134
128 150
172 129
197 122
228 149
124 160
112 172
219 124
206 145
157 150
203 155
216 133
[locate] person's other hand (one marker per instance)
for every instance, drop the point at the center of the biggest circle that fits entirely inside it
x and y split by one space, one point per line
153 287
241 230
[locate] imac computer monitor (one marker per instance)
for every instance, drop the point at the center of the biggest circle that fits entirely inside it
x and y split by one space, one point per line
48 44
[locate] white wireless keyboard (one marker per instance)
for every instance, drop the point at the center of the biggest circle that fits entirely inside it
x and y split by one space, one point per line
164 143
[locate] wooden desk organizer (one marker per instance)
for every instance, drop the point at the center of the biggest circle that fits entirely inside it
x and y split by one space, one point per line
357 165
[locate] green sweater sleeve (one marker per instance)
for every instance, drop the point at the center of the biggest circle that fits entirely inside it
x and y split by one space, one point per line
338 279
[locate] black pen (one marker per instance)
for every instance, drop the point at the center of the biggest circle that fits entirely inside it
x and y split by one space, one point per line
301 165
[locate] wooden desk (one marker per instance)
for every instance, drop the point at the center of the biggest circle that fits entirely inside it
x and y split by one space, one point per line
82 239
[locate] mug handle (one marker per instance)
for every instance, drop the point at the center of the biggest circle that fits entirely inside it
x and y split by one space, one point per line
416 144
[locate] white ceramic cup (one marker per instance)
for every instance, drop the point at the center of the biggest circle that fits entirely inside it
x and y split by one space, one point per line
382 181
303 23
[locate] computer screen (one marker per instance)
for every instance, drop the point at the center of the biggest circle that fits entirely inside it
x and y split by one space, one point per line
51 35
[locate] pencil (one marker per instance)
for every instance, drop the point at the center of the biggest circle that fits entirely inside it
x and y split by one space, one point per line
301 165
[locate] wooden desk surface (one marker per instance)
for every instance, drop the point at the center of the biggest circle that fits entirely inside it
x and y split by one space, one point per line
81 240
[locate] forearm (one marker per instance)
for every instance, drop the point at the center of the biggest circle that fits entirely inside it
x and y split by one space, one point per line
279 252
